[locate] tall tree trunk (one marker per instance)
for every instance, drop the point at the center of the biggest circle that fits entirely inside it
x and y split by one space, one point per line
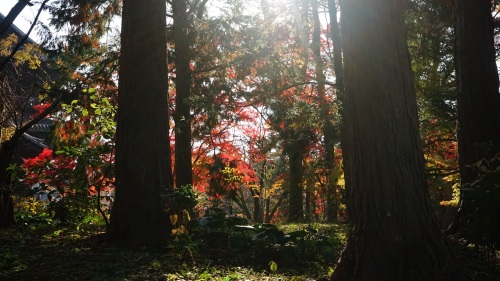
333 198
325 107
295 149
393 232
478 95
337 48
143 174
183 164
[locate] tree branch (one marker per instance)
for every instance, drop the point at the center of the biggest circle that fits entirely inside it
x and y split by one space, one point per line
18 46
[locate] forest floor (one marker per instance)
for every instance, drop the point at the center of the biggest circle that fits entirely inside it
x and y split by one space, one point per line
50 252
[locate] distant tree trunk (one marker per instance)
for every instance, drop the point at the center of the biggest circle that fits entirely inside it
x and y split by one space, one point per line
9 19
478 95
239 199
264 5
307 209
337 48
267 202
183 164
282 197
333 198
257 208
328 127
295 148
143 174
393 231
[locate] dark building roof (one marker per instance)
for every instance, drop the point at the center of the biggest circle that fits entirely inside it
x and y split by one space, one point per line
14 29
36 138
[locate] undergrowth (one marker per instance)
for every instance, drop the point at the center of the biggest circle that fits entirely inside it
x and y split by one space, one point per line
43 251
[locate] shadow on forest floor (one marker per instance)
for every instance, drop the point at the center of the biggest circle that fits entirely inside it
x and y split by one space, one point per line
46 252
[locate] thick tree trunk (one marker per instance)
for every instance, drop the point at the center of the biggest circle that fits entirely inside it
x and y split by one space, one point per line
183 164
6 204
478 95
393 232
138 218
296 190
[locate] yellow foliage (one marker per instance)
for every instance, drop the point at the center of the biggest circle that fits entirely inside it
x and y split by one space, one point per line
185 216
6 133
173 218
28 205
275 188
455 199
28 55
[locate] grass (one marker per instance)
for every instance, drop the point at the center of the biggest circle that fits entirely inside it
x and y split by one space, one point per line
51 252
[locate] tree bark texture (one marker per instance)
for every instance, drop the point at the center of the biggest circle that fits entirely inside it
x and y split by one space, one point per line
183 164
296 190
393 231
142 165
477 86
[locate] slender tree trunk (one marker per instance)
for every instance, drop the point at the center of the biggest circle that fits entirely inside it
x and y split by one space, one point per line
307 209
268 205
295 149
478 95
240 201
143 174
282 197
393 231
333 198
337 48
325 108
183 164
257 208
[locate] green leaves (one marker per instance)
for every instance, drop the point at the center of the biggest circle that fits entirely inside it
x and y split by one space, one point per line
273 267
